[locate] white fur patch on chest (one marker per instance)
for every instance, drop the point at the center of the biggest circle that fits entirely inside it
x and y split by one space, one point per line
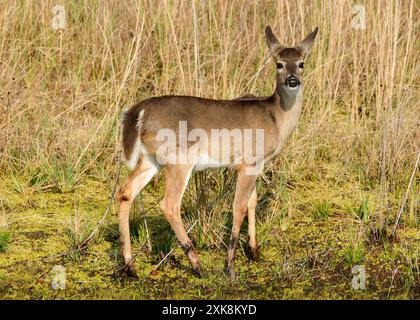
287 126
204 161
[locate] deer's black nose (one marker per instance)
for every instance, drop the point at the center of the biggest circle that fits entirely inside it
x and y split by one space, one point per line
292 82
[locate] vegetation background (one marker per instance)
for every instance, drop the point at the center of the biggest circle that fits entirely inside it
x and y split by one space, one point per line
327 204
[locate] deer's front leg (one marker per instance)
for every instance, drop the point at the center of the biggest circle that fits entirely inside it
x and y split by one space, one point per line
244 187
252 249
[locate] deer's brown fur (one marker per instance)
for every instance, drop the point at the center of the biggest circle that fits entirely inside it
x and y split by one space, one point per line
277 115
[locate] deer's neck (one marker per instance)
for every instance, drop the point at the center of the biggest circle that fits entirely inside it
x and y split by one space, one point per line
287 98
289 108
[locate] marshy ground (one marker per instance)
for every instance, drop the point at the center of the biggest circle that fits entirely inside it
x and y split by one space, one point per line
308 250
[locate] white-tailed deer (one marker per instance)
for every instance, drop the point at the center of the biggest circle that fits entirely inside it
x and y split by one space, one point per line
182 134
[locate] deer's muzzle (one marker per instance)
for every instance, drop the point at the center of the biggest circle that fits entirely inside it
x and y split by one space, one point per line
292 82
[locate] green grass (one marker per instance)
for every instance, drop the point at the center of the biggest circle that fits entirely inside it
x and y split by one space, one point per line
5 237
353 254
362 212
62 174
322 209
77 229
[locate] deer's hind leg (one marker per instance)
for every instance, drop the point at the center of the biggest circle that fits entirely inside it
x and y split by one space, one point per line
141 175
177 177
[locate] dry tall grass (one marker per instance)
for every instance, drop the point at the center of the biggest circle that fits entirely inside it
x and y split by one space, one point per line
61 92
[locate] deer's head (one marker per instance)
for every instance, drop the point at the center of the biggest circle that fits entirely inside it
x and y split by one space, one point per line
290 61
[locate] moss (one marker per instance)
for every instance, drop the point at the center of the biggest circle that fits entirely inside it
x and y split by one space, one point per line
310 259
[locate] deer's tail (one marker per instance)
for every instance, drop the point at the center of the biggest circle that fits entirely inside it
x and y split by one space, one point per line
132 122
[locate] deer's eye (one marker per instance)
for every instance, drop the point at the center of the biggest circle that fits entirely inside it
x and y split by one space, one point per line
279 65
301 65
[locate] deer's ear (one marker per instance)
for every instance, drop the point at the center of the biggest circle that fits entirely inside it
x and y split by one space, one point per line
272 42
306 44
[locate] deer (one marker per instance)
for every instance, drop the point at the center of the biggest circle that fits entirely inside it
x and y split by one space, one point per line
146 151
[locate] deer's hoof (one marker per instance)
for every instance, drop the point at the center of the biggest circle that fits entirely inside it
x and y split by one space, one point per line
252 253
130 271
230 271
199 272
